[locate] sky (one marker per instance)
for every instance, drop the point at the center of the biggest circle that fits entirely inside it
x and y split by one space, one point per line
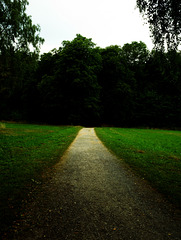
106 22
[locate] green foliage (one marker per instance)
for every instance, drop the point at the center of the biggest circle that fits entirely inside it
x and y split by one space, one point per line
73 95
26 151
17 63
82 84
17 85
136 53
117 82
121 79
16 29
80 63
164 20
163 86
153 154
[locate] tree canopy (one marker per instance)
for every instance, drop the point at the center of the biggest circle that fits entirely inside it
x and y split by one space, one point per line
17 61
82 84
76 66
164 19
17 31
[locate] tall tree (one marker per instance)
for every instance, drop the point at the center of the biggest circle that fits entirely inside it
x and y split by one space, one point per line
17 62
71 92
135 56
17 31
162 100
80 63
118 83
164 18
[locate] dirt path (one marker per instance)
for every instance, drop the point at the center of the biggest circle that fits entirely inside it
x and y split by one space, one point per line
92 195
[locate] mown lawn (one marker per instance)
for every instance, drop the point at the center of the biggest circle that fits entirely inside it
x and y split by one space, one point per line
26 151
154 154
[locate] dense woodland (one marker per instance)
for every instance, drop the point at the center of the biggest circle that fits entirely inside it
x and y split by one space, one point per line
82 84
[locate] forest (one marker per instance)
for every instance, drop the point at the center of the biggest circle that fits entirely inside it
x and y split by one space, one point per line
83 84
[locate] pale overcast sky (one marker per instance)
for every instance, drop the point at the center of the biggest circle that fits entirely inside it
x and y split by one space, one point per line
107 22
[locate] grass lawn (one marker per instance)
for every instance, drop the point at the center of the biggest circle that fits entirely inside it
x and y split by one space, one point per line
154 154
26 151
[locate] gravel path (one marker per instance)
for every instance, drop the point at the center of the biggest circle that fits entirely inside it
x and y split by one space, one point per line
93 195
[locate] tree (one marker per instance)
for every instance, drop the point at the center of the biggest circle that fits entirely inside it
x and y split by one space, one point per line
70 93
118 83
79 66
136 56
164 73
16 79
17 62
136 53
164 19
17 31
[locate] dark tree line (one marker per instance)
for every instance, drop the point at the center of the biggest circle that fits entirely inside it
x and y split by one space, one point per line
80 83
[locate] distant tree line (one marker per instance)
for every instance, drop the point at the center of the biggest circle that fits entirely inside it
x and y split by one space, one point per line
82 84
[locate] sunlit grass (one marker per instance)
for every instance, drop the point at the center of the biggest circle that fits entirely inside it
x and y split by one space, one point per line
154 154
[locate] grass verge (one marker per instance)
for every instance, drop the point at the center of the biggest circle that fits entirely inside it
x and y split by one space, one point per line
26 151
154 154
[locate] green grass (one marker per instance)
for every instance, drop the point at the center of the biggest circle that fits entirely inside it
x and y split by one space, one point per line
154 154
26 151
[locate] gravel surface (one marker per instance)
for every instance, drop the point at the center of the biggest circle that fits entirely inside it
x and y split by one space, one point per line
93 195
